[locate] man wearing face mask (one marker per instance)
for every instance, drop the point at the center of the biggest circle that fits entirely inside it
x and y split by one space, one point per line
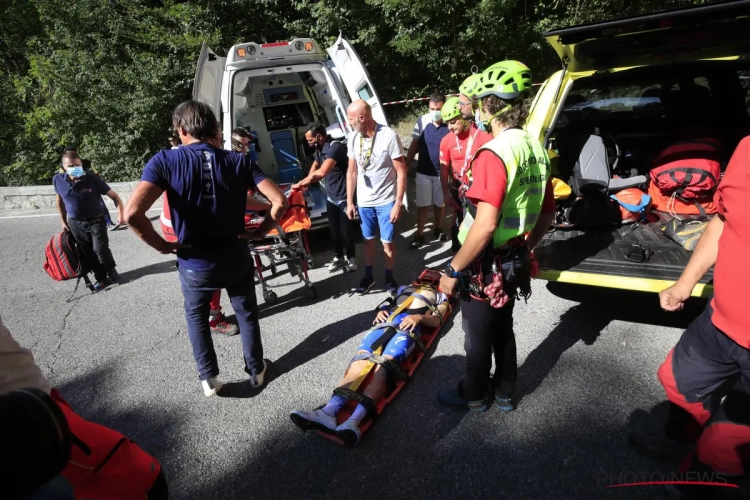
456 150
426 136
330 165
509 205
83 214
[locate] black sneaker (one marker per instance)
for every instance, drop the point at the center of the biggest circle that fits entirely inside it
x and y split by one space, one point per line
440 235
114 276
418 241
365 285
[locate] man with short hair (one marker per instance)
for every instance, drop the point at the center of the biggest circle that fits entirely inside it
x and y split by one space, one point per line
426 136
456 151
377 171
90 170
207 192
79 201
330 165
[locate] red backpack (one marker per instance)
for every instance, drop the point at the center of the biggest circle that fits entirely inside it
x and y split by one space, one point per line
685 177
104 464
62 260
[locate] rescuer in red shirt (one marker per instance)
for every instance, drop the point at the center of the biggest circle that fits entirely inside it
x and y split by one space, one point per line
712 358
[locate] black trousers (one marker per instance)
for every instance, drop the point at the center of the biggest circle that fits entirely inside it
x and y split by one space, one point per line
93 243
488 329
341 230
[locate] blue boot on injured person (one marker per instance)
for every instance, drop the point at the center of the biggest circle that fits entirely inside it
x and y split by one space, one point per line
417 311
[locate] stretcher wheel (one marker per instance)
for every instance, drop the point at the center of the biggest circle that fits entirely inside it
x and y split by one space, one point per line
270 297
311 292
310 263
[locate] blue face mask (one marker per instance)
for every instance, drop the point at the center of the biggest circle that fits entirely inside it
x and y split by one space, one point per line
75 171
479 122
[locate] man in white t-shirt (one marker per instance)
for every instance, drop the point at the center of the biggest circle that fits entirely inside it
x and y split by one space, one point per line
377 171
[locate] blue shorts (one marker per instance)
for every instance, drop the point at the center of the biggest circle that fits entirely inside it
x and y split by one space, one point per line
398 348
374 218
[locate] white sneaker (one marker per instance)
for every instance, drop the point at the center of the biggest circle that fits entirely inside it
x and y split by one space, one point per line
335 264
316 419
351 265
211 387
349 433
257 380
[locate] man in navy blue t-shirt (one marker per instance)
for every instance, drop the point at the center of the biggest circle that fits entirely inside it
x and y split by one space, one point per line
426 137
79 201
331 163
207 189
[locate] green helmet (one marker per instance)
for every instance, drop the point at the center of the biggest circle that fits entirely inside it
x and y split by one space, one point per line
507 80
469 87
450 109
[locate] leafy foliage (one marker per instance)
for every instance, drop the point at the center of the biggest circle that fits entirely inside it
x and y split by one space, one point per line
106 74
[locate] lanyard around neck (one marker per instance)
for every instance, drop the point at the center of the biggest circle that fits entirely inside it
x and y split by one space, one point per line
467 157
367 156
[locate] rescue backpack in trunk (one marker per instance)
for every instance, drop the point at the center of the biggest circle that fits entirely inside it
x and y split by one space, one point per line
685 177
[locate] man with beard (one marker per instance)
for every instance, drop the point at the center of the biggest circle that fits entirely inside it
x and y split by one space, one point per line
330 166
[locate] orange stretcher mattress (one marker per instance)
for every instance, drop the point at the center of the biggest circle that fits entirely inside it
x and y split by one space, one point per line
296 218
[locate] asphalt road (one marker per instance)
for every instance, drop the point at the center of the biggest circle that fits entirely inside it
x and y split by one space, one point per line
587 358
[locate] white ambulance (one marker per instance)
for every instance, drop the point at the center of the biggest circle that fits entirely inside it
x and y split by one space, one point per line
275 90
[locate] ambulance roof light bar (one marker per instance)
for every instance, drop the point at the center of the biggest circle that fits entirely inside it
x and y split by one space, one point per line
276 50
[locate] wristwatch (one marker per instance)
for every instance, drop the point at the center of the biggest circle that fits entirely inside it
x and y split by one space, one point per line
450 272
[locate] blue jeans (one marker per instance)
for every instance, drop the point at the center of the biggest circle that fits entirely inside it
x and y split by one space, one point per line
197 288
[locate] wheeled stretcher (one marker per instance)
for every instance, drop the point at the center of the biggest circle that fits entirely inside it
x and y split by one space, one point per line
285 244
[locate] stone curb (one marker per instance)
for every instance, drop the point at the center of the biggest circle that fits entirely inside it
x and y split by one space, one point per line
38 197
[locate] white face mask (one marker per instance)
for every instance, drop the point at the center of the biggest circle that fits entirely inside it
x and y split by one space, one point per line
436 115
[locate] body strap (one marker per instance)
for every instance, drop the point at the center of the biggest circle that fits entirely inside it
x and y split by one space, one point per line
365 401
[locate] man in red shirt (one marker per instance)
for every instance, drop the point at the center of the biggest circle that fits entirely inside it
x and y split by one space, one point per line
456 149
712 358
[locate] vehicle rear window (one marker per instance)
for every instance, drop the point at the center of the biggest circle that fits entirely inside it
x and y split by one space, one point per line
650 104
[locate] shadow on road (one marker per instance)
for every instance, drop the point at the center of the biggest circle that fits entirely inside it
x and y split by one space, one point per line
585 321
445 454
158 268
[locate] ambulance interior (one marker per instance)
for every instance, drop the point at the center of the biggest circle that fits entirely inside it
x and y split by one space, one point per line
277 107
